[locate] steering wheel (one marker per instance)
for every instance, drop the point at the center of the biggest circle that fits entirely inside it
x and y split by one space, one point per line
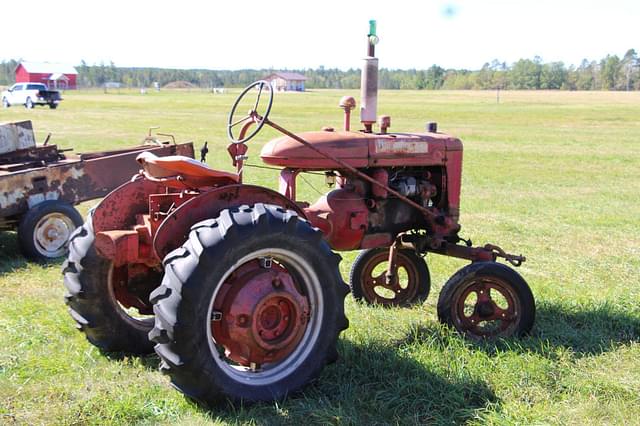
252 116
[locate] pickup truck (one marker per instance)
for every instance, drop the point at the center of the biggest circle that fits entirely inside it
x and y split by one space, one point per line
30 94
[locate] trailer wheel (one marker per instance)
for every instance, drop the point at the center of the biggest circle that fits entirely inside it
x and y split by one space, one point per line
89 280
250 308
368 282
5 103
53 105
28 104
486 300
44 231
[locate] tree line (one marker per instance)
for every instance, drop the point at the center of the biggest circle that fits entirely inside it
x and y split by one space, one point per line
609 73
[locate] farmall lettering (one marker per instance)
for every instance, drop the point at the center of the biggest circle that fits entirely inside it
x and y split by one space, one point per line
401 147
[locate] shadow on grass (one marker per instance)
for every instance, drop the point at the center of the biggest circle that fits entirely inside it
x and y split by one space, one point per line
584 329
12 259
150 362
373 384
10 256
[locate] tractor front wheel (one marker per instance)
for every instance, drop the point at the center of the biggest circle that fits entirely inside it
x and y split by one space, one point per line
250 307
409 286
94 287
487 300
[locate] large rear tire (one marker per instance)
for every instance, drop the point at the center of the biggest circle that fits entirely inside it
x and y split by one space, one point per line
89 279
250 307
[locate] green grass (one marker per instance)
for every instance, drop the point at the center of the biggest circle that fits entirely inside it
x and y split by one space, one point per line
554 175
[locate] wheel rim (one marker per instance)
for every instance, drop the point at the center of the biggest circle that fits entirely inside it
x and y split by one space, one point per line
401 290
117 281
265 316
486 307
51 234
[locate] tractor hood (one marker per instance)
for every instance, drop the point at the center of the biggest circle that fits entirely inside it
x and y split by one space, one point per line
360 150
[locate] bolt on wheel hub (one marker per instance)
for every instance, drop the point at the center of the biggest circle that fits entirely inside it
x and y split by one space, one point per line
51 234
260 314
398 292
486 308
274 319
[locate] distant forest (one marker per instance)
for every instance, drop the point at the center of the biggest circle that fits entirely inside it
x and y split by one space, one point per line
609 73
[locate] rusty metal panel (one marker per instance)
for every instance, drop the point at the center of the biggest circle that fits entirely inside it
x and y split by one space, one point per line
16 136
185 149
29 158
174 230
21 190
71 180
110 171
119 209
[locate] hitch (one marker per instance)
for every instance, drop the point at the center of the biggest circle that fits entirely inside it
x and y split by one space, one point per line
515 260
487 253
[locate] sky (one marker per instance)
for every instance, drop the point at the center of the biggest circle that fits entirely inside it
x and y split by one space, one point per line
236 34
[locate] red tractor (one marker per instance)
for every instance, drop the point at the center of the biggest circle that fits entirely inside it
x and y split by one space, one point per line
237 287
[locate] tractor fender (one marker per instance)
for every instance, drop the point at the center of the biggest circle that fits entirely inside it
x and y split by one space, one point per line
119 208
174 230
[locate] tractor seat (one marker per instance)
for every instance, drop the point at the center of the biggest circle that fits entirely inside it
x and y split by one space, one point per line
182 172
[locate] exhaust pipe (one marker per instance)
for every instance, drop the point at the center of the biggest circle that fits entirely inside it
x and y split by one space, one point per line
369 82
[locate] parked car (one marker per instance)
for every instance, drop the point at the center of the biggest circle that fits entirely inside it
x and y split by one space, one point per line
30 94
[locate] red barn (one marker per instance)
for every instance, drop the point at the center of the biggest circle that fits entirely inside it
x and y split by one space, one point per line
56 76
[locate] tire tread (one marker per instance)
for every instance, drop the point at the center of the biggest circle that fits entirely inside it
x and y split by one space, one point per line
171 323
87 297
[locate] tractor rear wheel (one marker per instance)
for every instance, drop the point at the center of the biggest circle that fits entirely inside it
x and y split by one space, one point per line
486 300
250 307
92 287
368 282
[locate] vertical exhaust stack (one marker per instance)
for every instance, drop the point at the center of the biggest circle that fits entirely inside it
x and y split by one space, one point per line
369 82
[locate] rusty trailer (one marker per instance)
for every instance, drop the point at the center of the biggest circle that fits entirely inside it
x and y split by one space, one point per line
40 184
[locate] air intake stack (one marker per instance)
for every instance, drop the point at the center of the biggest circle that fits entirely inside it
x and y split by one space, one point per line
369 82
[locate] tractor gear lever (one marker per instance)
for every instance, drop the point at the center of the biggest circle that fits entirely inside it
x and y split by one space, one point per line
203 152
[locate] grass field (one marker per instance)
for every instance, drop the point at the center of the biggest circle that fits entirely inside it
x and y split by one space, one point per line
554 175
